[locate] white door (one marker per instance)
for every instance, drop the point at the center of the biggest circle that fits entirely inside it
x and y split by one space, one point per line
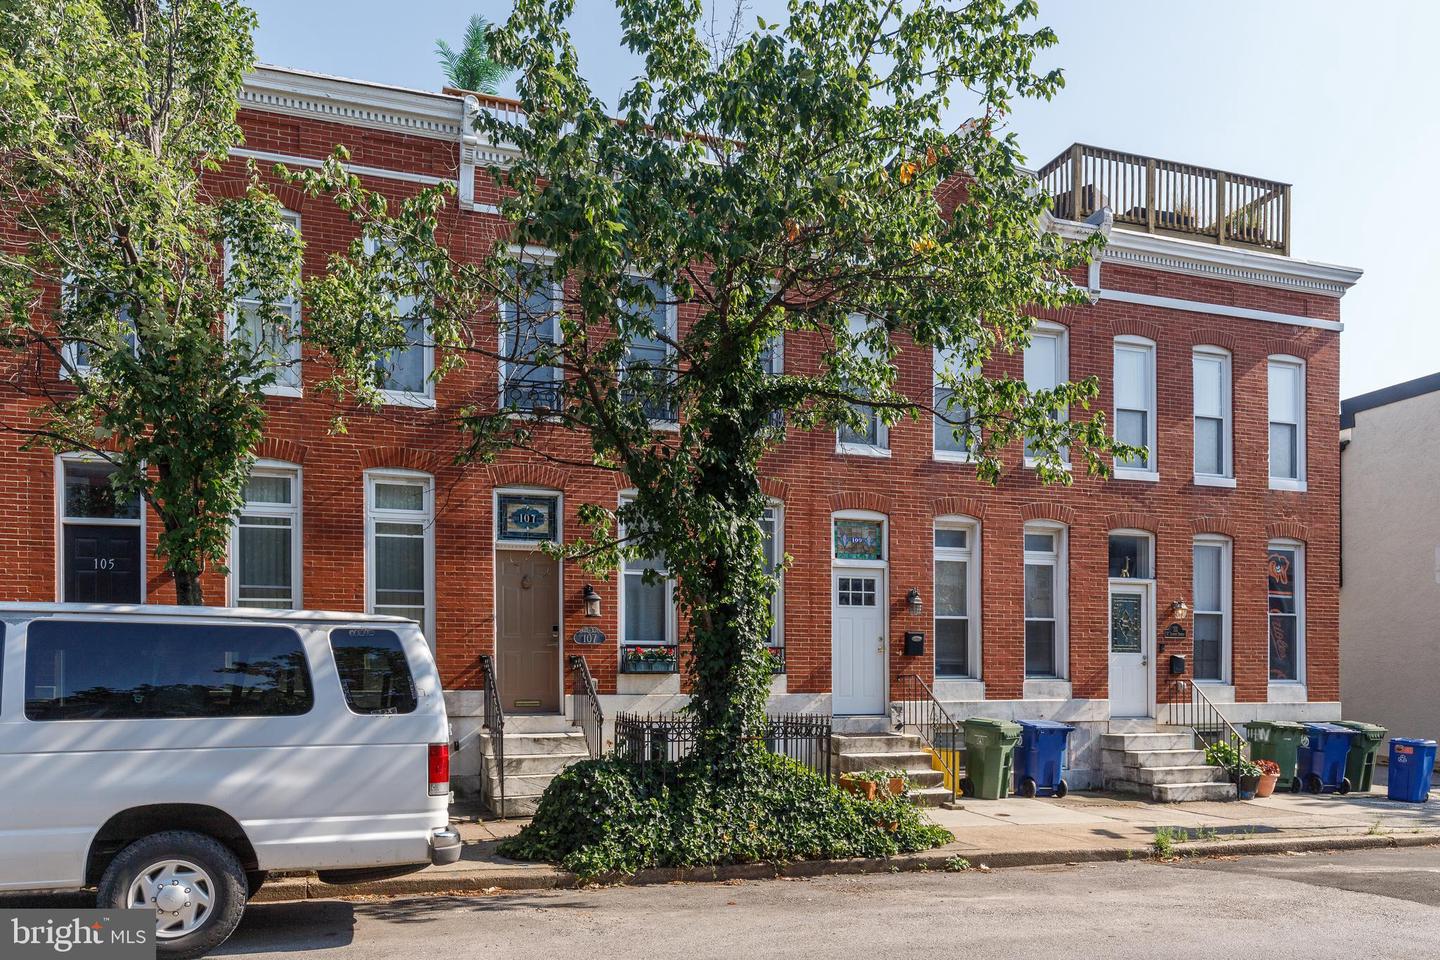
857 642
1130 633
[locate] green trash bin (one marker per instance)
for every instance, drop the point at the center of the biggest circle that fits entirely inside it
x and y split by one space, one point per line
989 755
1277 740
1360 762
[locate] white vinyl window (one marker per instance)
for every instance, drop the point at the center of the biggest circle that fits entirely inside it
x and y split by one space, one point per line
647 614
1211 590
952 421
1287 423
265 545
400 546
1214 458
1047 365
650 357
872 437
406 371
772 523
957 598
278 345
530 319
1286 593
1045 601
1135 406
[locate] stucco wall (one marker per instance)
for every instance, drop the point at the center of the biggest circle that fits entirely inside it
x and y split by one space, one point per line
1390 540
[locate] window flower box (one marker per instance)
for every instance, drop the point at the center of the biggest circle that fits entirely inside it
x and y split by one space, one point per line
651 659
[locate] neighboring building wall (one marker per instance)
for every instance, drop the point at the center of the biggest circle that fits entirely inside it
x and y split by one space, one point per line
1390 596
1254 307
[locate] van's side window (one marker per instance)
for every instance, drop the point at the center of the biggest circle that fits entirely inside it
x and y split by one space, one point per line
373 670
98 670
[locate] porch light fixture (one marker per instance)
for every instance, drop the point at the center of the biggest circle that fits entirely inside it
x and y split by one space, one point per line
592 601
1179 610
913 601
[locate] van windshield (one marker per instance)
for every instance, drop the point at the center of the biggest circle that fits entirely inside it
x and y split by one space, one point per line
105 670
373 670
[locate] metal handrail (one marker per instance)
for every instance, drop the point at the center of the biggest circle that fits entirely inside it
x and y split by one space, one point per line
585 711
1200 714
495 722
919 708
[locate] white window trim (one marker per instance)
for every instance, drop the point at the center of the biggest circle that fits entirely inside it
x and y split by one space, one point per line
1060 560
971 557
1061 334
374 515
294 512
1299 481
777 636
672 330
61 520
1226 610
943 456
672 626
1150 473
1300 586
232 325
1227 413
557 296
422 399
851 448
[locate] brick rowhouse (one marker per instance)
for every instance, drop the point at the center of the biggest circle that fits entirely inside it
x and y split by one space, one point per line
1248 300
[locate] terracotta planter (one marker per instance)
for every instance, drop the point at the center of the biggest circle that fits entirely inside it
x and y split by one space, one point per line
1266 786
863 788
897 786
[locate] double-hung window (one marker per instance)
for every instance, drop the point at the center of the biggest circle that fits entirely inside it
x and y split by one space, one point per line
772 363
1287 423
405 371
957 598
952 420
648 367
1210 368
1135 405
265 546
530 318
399 545
871 436
1286 591
1047 365
647 625
275 340
773 527
1045 595
1211 589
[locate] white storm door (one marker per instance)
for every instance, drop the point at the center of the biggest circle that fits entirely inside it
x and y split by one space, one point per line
1130 640
857 642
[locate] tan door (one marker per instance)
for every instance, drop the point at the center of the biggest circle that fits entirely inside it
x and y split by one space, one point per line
528 632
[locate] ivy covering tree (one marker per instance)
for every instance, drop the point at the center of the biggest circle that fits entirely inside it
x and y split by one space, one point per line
795 182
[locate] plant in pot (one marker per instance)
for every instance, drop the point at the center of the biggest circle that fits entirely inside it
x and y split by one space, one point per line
869 783
1269 776
1226 756
1248 779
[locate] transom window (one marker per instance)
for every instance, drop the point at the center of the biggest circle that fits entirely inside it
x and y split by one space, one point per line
957 589
1131 556
1045 595
527 518
859 539
265 549
1135 402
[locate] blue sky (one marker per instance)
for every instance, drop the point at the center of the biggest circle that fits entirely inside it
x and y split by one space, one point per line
1334 97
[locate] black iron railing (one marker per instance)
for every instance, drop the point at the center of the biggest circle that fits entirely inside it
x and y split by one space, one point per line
918 709
668 738
585 711
495 723
1189 707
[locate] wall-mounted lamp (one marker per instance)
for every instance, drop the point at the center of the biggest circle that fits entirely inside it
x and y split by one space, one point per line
913 601
1179 610
592 601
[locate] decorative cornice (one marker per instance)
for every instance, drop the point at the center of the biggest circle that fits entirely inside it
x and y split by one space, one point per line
1174 255
315 95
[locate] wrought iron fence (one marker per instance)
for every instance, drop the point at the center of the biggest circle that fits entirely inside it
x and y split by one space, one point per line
919 709
585 711
495 723
652 738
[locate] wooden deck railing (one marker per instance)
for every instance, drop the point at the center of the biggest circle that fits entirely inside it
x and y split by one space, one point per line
1162 196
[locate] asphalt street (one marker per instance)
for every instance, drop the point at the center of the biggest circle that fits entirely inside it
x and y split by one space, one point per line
1383 903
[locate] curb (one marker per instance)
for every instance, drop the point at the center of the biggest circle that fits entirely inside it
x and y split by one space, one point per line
309 888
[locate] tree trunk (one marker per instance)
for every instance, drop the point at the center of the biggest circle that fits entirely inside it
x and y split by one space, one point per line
188 590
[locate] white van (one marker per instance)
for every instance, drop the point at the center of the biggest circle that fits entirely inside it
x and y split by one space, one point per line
172 756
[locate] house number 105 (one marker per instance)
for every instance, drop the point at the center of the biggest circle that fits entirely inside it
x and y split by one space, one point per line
104 563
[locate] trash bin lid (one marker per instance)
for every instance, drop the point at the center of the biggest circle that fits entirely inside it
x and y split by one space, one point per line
1412 742
1289 725
1005 728
1331 729
1045 725
1371 731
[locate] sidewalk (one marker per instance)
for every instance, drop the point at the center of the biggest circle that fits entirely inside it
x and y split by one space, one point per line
1011 832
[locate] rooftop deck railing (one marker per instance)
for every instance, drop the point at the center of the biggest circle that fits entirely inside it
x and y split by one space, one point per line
1165 197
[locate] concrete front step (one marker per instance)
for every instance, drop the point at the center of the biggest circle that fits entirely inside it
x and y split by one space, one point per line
909 760
533 764
932 796
1155 758
1175 792
1147 741
537 723
528 744
1178 775
875 743
521 806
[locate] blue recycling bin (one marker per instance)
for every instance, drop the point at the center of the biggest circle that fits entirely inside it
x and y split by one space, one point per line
1411 763
1040 758
1323 751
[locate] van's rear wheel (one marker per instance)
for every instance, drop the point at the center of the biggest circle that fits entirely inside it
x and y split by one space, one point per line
195 885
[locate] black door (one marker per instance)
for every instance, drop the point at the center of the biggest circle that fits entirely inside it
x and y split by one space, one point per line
102 563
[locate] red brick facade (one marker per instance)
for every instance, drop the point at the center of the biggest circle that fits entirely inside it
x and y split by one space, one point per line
910 487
